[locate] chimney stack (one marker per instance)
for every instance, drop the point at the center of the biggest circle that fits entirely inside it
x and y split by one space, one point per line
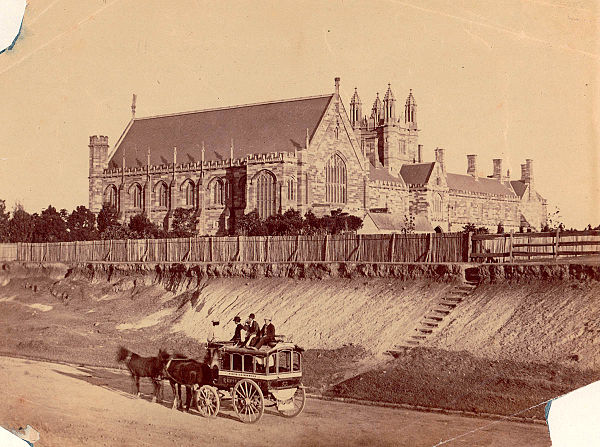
439 157
337 95
472 165
420 153
498 171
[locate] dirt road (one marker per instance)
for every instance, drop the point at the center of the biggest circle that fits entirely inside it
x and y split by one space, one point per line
74 406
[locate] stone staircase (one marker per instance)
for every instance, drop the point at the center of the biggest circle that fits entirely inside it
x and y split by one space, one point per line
439 313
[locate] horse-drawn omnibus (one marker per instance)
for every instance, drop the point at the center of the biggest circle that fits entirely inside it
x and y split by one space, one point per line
254 379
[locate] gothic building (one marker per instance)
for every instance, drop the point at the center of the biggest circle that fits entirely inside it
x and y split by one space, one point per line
305 154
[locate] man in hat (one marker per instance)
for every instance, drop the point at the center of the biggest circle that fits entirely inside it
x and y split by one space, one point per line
268 333
252 329
237 336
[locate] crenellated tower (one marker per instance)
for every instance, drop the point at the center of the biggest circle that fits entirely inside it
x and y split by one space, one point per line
98 154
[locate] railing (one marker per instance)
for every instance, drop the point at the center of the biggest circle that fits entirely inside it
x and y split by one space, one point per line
449 247
509 247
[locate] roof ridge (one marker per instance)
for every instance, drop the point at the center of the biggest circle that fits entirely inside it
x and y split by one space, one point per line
238 106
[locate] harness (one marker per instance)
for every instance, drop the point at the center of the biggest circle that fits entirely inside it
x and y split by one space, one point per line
166 369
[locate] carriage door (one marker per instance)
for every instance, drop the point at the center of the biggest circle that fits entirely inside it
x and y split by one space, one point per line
285 361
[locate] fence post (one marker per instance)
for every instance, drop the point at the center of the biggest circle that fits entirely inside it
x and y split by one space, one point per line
510 247
325 248
267 249
76 254
210 246
556 243
392 246
469 246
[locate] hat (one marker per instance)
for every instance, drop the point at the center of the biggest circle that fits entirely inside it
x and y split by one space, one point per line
267 318
252 316
237 318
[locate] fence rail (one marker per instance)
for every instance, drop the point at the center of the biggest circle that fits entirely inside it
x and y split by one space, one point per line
450 247
535 246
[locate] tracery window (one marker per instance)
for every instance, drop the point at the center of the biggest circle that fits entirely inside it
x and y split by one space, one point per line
437 206
189 193
265 194
137 196
335 180
217 192
163 195
291 188
111 196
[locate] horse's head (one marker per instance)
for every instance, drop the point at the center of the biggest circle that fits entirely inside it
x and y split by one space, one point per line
163 356
122 354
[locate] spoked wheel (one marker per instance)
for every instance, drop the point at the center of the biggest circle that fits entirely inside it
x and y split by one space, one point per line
248 401
208 402
294 405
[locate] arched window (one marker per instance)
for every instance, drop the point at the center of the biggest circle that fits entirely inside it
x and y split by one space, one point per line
137 196
189 193
163 195
111 196
216 189
335 180
437 206
265 194
291 188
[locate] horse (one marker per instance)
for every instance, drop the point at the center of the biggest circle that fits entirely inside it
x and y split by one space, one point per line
181 370
151 367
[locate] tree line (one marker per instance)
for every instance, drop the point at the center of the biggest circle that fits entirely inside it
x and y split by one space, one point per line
81 224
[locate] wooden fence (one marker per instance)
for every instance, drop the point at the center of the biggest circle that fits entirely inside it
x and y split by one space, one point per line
8 252
449 247
534 246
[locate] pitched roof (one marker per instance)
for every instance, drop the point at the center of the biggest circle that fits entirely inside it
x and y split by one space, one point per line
278 126
392 222
382 174
483 185
416 173
520 188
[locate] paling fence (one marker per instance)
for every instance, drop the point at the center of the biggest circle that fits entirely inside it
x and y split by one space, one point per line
8 252
535 246
449 247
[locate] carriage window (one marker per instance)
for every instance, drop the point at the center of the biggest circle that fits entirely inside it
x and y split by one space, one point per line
272 369
285 361
226 361
296 364
248 363
237 362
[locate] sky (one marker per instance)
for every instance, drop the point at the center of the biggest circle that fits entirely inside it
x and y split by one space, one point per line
505 79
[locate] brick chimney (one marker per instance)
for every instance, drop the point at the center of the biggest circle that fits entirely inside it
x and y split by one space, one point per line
472 165
498 171
439 157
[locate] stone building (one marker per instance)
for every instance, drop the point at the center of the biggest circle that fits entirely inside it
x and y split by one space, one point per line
303 154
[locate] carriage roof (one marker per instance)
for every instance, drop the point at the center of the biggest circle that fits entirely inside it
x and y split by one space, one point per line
232 349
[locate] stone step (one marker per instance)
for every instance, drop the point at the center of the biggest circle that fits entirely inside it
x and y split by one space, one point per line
450 305
453 299
425 323
418 337
425 331
441 311
413 342
433 318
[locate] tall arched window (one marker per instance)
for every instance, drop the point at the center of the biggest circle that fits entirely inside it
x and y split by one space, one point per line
137 196
437 206
291 188
111 196
216 189
189 193
265 194
163 195
335 180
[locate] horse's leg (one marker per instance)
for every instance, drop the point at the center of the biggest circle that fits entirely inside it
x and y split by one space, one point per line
174 394
188 397
156 389
180 396
137 386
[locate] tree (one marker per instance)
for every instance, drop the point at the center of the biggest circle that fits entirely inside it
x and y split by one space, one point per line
409 225
108 217
250 225
142 228
185 223
20 227
500 229
4 222
50 226
81 225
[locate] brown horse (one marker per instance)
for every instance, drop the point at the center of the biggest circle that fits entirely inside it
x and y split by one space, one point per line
181 370
151 367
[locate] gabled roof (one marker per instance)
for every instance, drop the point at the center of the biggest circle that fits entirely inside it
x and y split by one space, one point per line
416 173
521 187
382 174
392 222
278 126
483 185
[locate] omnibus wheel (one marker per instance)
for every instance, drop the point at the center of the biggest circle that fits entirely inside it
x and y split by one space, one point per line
298 400
248 401
208 402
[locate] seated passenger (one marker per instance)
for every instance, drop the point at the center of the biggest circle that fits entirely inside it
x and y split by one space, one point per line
237 336
252 329
268 334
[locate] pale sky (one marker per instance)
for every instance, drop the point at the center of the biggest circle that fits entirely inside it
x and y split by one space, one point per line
512 79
